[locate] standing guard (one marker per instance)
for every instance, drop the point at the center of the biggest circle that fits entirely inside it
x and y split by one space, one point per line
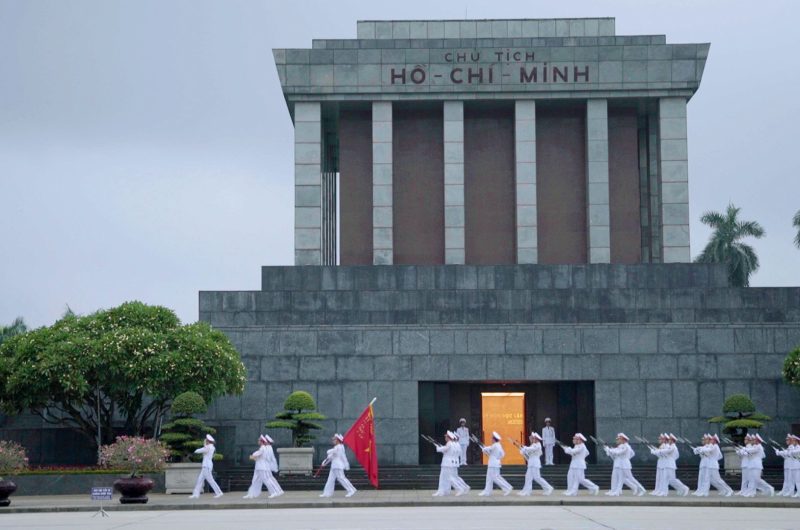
621 473
576 476
339 464
533 455
463 440
495 453
549 441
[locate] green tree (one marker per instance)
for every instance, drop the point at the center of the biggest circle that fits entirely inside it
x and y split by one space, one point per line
796 224
17 327
300 416
185 433
791 367
726 246
129 361
738 415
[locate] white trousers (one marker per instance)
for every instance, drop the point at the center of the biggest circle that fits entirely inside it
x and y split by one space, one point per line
534 473
665 478
710 477
548 455
791 482
623 477
261 478
206 476
753 483
449 479
493 477
463 457
334 476
575 479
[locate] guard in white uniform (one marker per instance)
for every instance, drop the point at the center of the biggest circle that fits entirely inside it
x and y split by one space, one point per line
496 454
622 473
576 476
463 440
533 455
708 475
791 466
265 466
339 464
668 454
206 472
448 474
752 466
549 441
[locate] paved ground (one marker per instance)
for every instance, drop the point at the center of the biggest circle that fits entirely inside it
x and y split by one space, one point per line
424 517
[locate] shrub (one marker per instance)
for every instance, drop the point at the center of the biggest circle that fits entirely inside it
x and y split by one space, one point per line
185 433
12 458
739 415
298 415
791 367
134 454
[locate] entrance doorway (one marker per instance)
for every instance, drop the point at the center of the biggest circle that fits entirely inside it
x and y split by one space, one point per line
504 413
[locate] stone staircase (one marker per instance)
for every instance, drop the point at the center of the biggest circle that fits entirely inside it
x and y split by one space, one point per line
427 477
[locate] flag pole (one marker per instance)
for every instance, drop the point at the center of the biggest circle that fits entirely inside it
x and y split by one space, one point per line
373 401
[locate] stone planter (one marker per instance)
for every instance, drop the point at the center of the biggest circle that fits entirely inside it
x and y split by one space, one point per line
180 477
6 488
733 462
133 490
296 460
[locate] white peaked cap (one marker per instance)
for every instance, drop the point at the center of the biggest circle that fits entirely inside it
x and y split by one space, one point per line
715 437
672 436
536 435
795 437
262 438
579 435
758 437
339 437
456 436
451 434
623 436
495 435
462 419
210 438
547 419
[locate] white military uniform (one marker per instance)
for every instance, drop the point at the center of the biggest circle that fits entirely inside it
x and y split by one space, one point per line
339 464
496 454
752 467
708 475
549 441
206 472
463 443
791 470
621 473
448 474
666 467
265 466
577 470
533 454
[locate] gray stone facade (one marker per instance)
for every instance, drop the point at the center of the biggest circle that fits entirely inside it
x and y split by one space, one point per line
664 344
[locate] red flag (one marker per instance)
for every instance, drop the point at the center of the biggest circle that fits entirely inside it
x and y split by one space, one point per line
361 439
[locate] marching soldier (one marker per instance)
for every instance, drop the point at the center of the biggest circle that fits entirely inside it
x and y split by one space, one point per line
791 466
666 467
710 455
577 468
463 440
265 466
621 473
339 464
496 454
448 476
752 466
206 472
549 441
533 455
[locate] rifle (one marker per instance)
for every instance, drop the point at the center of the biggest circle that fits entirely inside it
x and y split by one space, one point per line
477 441
430 440
597 441
685 441
645 442
731 442
520 447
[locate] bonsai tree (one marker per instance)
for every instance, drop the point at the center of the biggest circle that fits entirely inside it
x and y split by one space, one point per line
300 416
739 415
185 433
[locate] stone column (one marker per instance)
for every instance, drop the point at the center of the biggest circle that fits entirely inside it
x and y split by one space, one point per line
307 183
454 182
382 213
525 157
598 211
674 180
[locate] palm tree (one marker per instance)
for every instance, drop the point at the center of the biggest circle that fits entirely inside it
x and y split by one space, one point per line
17 327
725 245
796 223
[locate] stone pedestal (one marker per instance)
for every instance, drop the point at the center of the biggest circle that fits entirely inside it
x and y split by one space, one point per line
296 460
733 462
181 477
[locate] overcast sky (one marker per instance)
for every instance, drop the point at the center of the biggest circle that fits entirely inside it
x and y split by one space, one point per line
146 149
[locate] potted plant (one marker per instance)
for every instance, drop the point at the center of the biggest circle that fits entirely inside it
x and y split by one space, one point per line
12 460
738 416
791 374
183 435
299 415
136 455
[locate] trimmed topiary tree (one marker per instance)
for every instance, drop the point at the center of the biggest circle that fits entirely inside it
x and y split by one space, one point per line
185 433
739 415
298 415
791 367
